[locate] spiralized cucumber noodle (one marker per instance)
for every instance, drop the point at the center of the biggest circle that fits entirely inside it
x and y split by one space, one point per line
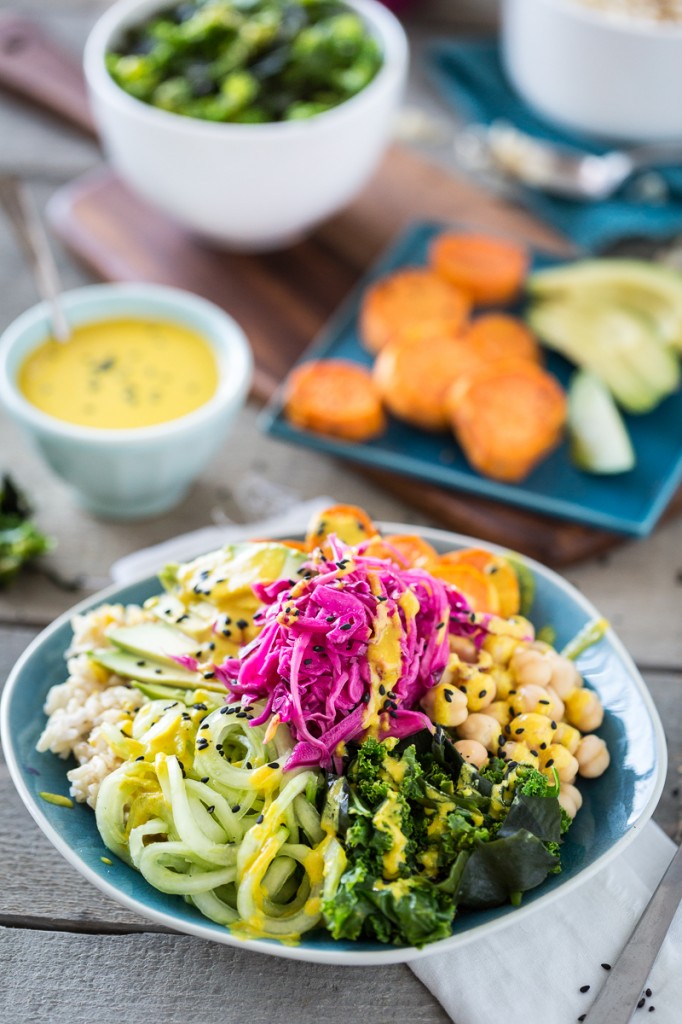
222 824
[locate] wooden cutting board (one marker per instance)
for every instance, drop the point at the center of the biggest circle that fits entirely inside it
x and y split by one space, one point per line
282 299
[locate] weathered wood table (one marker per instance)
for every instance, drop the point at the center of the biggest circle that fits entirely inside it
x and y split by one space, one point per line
67 953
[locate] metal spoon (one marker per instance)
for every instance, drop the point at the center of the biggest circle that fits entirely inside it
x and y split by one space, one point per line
30 234
556 169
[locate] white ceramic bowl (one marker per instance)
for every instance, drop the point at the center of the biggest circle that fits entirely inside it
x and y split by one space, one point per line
131 474
255 186
611 76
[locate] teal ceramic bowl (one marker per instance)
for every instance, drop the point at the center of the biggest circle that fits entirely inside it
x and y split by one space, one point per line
615 808
131 474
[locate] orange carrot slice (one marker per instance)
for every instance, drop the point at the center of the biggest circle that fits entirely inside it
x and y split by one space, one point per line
407 299
413 379
336 398
489 270
476 587
351 525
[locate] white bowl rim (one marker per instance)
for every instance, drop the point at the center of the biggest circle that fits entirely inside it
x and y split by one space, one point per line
340 958
618 22
231 388
390 32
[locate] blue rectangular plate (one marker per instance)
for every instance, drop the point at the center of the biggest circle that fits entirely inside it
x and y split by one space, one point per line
627 503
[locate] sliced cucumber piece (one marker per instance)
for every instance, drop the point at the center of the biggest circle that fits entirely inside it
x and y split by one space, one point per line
154 640
159 692
600 442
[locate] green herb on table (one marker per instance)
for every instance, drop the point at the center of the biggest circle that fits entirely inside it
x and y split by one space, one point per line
20 539
247 61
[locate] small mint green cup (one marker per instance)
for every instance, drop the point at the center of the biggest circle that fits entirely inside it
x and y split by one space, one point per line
141 472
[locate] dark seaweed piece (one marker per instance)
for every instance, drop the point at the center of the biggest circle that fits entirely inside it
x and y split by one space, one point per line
498 870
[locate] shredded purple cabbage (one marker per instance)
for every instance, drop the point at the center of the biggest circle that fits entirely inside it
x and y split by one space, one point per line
309 664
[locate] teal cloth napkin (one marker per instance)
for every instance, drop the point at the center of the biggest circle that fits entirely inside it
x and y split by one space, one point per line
470 76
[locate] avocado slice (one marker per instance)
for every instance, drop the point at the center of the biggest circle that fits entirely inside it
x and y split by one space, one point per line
155 691
650 288
147 670
154 640
617 343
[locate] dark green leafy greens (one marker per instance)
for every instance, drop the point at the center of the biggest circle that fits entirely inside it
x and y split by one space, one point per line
425 833
20 540
247 61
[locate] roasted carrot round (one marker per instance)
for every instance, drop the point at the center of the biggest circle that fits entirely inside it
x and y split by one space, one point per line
489 270
413 378
470 581
334 397
500 336
497 569
507 417
412 298
416 552
349 523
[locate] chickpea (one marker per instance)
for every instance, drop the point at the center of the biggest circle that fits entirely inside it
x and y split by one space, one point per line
445 705
584 710
504 681
592 756
567 736
570 799
479 692
464 648
531 667
523 626
558 707
556 756
482 728
500 648
536 699
520 753
500 711
565 676
472 751
531 729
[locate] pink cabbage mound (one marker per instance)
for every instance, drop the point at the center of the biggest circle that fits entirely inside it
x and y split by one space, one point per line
309 663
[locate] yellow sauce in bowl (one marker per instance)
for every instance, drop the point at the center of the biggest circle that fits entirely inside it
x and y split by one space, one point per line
121 374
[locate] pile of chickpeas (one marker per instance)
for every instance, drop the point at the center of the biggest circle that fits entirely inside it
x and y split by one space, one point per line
519 699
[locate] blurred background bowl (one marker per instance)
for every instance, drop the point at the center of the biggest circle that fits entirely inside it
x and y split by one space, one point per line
610 75
130 473
246 186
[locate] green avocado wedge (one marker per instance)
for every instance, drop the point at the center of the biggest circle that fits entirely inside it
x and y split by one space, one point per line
153 640
617 343
652 289
147 670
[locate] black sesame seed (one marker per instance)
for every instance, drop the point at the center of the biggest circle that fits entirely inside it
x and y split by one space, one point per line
158 671
307 661
248 765
259 819
482 693
582 1016
462 687
439 625
365 698
549 762
330 618
205 778
607 967
651 1009
641 1003
318 648
225 710
518 731
553 724
648 993
182 618
543 746
241 623
448 694
140 758
584 988
202 744
140 663
273 764
241 714
346 626
185 717
211 809
393 714
236 808
534 753
382 599
500 739
513 764
543 702
209 675
227 632
204 725
200 707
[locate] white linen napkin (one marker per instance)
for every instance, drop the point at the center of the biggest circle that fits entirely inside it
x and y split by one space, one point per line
530 972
